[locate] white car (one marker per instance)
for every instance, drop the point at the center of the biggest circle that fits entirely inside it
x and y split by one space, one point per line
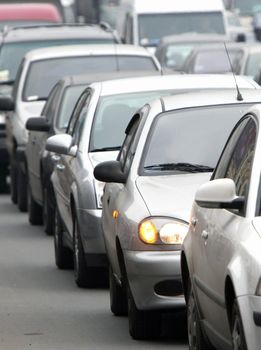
38 73
221 259
171 147
95 134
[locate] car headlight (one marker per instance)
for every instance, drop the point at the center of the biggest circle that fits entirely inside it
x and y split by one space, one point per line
99 186
162 231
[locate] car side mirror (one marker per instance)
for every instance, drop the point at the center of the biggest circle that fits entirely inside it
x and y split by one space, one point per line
219 194
110 172
6 104
61 144
37 124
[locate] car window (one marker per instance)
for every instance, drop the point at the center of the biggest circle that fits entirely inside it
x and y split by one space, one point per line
52 102
240 164
77 110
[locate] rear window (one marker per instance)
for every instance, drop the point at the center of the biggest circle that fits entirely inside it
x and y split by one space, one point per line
43 74
12 53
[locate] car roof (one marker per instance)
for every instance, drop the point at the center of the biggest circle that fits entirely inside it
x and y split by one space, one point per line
56 31
88 49
96 77
246 47
193 37
209 98
175 82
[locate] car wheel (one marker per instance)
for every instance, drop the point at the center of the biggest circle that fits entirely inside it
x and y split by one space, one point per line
237 331
118 297
63 255
84 276
21 189
3 176
196 339
13 181
35 211
48 213
142 324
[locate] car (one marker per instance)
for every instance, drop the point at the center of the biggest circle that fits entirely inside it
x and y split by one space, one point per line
220 260
27 14
173 50
16 42
54 120
95 133
39 71
244 57
167 153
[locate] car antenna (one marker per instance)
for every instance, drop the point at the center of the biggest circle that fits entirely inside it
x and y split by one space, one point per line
105 26
239 96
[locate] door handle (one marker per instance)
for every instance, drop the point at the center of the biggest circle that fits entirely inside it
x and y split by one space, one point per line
60 167
204 234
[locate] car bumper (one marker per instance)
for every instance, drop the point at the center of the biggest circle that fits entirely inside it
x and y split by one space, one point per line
250 309
4 158
92 236
155 279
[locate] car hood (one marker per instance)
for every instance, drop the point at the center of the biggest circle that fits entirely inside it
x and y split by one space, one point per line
99 157
170 195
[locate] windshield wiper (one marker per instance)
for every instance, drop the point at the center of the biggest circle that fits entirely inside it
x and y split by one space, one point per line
104 149
186 167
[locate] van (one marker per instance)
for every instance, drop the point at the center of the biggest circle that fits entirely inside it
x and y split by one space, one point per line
145 22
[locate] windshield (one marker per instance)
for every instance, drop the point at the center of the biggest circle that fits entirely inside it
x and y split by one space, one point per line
216 61
11 54
69 99
177 54
113 115
182 141
247 7
43 74
152 27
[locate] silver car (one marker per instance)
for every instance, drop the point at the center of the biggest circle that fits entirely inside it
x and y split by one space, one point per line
95 134
171 147
221 259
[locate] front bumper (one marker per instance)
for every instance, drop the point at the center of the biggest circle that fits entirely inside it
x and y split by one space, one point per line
92 237
4 158
250 309
155 279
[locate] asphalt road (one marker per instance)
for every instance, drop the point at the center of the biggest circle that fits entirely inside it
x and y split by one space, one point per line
42 309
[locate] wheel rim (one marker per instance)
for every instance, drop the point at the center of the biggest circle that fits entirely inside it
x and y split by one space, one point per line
192 323
236 334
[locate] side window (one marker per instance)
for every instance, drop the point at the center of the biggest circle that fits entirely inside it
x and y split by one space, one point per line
240 164
52 102
80 108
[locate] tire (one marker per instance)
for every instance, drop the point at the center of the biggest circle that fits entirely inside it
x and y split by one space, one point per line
3 178
35 211
21 189
84 276
118 297
13 181
63 255
196 338
48 213
237 330
142 324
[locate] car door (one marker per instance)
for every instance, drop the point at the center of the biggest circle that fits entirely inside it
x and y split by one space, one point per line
113 203
217 230
66 165
37 143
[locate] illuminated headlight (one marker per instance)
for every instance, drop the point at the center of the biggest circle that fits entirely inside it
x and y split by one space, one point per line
162 231
99 186
2 118
258 289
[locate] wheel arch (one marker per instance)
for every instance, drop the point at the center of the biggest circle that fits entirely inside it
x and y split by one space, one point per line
184 274
230 296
